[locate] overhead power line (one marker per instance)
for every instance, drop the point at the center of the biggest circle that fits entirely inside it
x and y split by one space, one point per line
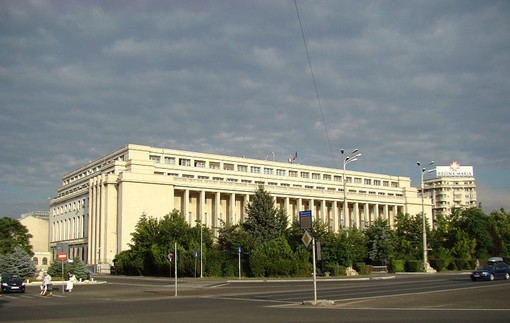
314 82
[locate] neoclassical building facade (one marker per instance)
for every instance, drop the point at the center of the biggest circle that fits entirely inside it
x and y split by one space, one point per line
99 204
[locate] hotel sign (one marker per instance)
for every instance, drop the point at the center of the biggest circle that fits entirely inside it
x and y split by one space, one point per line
454 170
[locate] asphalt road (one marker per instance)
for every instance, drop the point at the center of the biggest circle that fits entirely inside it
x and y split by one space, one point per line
400 298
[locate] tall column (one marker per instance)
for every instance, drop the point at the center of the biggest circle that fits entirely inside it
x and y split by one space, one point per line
334 206
366 215
185 204
356 215
286 206
232 209
201 206
217 210
246 202
324 215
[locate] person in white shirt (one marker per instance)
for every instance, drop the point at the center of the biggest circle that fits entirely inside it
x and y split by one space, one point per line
70 282
46 285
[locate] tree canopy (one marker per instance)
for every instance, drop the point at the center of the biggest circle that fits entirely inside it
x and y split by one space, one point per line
14 234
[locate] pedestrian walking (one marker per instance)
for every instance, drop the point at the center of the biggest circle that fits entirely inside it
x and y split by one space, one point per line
46 285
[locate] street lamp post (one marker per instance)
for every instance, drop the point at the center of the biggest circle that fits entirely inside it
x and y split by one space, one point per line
201 242
352 157
424 170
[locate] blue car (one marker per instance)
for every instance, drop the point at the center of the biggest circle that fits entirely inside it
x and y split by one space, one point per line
495 268
12 283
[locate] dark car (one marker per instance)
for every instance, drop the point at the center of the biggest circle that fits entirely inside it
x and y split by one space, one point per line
495 268
12 283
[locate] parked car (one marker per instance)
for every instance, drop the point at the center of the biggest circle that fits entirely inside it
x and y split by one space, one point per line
12 283
495 268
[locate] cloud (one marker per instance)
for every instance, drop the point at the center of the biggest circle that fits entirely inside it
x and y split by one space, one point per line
401 81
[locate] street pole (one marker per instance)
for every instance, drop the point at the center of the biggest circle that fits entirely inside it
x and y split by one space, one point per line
347 160
201 242
314 272
424 223
175 268
239 260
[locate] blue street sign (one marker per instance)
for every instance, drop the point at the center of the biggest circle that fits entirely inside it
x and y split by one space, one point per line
305 219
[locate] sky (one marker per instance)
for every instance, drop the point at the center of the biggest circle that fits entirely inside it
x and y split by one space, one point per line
402 81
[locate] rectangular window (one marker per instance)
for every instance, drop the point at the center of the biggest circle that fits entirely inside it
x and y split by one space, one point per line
357 180
293 173
155 159
268 171
280 172
200 163
214 165
394 184
305 175
255 169
337 178
242 168
326 177
228 166
368 181
377 182
184 162
386 183
316 176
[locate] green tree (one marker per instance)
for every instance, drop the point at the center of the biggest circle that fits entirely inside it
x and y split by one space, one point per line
18 262
76 266
439 240
14 234
273 258
264 220
499 229
153 239
380 242
351 247
475 223
409 237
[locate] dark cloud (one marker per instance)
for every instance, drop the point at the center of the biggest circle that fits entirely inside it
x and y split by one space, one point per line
400 80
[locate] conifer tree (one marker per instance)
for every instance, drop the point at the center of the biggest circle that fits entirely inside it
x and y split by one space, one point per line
264 220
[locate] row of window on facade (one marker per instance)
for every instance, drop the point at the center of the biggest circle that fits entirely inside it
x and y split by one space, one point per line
92 170
247 181
66 229
272 171
44 261
69 207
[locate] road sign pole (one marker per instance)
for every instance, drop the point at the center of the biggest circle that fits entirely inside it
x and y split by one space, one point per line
175 253
239 260
314 272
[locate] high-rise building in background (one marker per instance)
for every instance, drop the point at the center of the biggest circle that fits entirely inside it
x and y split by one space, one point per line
451 187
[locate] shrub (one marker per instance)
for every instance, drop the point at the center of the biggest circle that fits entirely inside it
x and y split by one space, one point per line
362 268
439 264
397 265
414 266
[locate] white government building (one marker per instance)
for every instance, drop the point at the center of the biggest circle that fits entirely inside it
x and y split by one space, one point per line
99 204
